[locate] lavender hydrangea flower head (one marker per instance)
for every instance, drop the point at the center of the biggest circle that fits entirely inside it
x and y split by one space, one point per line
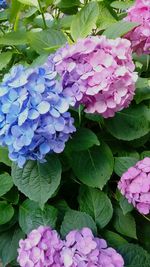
3 4
140 35
135 185
99 73
34 117
41 248
81 249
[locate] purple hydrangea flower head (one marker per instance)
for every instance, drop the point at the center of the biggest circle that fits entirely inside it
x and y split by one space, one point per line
41 248
135 185
99 73
3 4
82 249
140 35
34 117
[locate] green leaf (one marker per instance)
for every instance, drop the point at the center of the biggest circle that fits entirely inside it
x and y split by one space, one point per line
130 124
6 212
134 255
66 3
122 164
5 58
145 154
4 156
122 4
38 181
106 16
31 216
30 3
84 21
6 183
14 38
124 224
82 140
142 90
119 29
94 166
125 205
43 41
12 196
9 244
76 220
96 204
115 240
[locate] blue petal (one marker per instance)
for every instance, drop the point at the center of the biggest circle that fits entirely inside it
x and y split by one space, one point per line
63 105
33 114
22 117
21 161
6 107
3 90
44 148
43 107
59 124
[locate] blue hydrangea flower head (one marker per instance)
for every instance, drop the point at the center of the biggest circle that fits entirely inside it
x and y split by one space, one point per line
34 117
3 4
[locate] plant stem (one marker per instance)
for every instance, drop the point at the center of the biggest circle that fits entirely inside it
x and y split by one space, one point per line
146 217
42 13
79 112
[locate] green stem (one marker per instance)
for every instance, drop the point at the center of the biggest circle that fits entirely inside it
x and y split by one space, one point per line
42 13
146 217
79 112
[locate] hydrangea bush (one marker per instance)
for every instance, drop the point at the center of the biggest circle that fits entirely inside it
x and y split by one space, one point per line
74 133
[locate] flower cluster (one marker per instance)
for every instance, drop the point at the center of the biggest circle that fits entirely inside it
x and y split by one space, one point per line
135 185
34 117
41 248
140 36
84 250
3 4
99 73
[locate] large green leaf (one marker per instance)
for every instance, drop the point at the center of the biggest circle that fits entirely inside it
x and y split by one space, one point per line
30 2
142 90
76 220
97 204
9 242
134 255
44 41
5 58
31 216
118 29
130 124
106 15
4 156
84 21
6 183
93 167
82 140
67 3
115 240
122 164
38 181
125 205
122 4
125 224
14 38
6 212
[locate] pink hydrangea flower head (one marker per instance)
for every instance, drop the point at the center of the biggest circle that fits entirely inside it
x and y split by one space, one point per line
99 73
82 249
135 185
140 35
41 248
